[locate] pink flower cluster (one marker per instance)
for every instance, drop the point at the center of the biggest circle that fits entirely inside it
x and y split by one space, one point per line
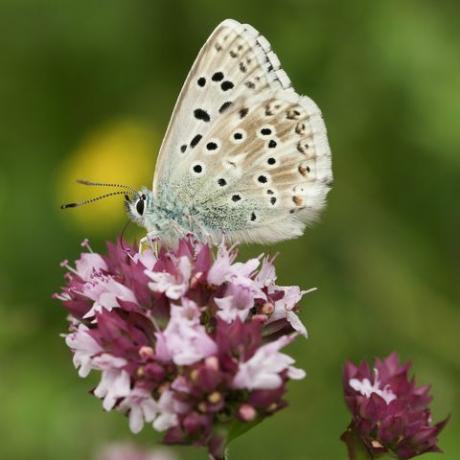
185 340
390 412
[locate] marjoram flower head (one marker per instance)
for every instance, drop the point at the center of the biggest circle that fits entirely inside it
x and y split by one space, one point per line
186 340
390 413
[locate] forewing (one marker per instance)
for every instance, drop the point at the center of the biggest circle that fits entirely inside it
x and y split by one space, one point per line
235 61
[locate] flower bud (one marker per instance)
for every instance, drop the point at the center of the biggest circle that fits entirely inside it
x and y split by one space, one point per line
203 407
267 308
146 352
247 413
390 414
214 397
212 363
140 372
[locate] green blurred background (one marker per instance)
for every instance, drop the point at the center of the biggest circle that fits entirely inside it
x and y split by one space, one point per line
86 90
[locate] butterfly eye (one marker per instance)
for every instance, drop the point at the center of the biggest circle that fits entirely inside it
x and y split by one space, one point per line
140 206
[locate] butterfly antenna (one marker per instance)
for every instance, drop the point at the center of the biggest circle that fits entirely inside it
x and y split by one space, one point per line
105 184
91 200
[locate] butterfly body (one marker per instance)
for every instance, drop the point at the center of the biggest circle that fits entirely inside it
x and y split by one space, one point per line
166 219
245 157
170 219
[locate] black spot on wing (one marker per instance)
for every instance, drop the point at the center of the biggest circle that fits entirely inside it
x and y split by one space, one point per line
243 112
262 179
218 76
225 106
195 140
201 114
226 85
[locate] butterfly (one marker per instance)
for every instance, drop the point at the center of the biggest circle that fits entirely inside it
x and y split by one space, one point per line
245 158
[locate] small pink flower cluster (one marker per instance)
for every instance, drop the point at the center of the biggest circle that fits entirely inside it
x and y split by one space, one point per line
186 340
391 414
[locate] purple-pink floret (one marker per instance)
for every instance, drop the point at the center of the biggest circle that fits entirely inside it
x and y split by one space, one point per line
186 339
390 413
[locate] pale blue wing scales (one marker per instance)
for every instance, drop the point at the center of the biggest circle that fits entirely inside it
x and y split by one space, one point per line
244 153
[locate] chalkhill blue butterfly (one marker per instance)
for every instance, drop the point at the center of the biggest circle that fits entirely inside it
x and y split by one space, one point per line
245 158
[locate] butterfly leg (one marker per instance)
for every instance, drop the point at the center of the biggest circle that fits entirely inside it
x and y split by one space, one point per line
154 244
152 241
142 242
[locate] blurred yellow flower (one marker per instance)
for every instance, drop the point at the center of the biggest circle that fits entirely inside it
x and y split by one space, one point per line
122 151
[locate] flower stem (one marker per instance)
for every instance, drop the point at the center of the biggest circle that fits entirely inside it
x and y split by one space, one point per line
221 456
355 448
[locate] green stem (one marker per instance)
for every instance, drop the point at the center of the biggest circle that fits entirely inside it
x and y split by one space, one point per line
357 450
223 457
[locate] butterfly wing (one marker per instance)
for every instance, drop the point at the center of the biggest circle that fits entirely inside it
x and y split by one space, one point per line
243 150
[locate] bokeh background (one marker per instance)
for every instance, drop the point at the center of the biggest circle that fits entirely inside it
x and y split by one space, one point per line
86 90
